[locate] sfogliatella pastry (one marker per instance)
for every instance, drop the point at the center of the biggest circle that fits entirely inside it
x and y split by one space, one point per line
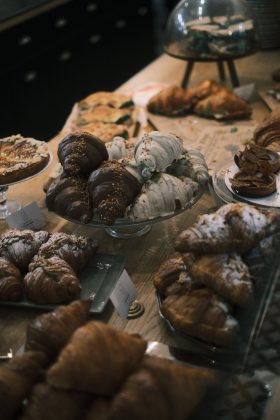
105 132
75 250
17 378
111 189
50 332
203 314
161 196
112 99
223 105
171 101
68 197
191 164
11 285
20 246
267 133
233 227
92 350
227 275
81 153
51 281
155 151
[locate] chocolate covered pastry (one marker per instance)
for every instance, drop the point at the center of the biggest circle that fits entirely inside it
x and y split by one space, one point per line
11 285
81 153
111 189
68 197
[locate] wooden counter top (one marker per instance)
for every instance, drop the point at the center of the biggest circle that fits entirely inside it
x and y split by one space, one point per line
144 254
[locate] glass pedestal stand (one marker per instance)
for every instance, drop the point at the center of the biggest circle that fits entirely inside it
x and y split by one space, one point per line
127 232
7 207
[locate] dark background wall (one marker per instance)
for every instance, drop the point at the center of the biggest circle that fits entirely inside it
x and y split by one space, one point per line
51 61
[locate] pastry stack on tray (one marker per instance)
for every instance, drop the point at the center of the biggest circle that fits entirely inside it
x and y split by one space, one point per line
217 273
158 178
79 370
42 266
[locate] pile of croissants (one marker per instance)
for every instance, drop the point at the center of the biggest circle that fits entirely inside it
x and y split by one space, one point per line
42 266
222 262
74 370
153 178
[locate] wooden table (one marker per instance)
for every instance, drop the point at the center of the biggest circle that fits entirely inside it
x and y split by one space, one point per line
144 254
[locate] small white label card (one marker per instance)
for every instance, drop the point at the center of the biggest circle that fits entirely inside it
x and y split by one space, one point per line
29 217
123 295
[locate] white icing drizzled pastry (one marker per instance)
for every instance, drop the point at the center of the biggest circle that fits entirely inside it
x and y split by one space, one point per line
120 148
191 164
131 166
155 151
162 195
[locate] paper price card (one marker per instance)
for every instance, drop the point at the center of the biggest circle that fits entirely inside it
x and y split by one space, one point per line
29 217
123 295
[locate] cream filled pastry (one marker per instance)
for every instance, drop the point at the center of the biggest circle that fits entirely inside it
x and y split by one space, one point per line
155 151
161 196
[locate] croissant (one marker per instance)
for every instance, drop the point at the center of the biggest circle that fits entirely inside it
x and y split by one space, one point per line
11 286
223 105
51 281
75 250
20 246
99 409
162 389
48 403
81 153
111 189
155 151
16 380
120 148
267 133
161 196
203 90
227 275
172 277
100 358
170 101
50 332
234 227
68 196
191 164
203 314
132 167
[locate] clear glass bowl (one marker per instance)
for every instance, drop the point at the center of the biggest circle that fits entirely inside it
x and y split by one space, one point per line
210 30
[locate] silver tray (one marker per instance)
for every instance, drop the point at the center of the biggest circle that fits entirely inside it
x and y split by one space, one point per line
98 280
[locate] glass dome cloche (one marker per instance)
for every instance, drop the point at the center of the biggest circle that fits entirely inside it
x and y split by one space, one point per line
205 30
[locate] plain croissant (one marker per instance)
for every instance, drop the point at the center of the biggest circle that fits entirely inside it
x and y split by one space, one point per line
100 358
234 227
155 151
170 101
50 332
11 285
81 153
161 196
20 246
16 380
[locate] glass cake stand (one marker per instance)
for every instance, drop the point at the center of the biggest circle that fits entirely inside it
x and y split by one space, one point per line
126 229
7 206
221 185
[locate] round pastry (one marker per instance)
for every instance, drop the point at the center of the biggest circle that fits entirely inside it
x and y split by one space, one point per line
21 157
253 185
257 158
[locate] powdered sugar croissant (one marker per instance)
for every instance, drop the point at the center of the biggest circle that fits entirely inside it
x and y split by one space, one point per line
162 195
155 151
234 227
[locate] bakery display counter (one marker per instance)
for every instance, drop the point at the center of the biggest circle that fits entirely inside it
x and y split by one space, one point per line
253 391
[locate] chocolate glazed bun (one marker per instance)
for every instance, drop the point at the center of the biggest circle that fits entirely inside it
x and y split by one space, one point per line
68 196
81 153
111 189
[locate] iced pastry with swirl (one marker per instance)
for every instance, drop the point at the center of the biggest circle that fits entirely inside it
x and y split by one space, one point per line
161 196
51 280
111 189
11 286
155 151
68 196
20 246
81 153
191 164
